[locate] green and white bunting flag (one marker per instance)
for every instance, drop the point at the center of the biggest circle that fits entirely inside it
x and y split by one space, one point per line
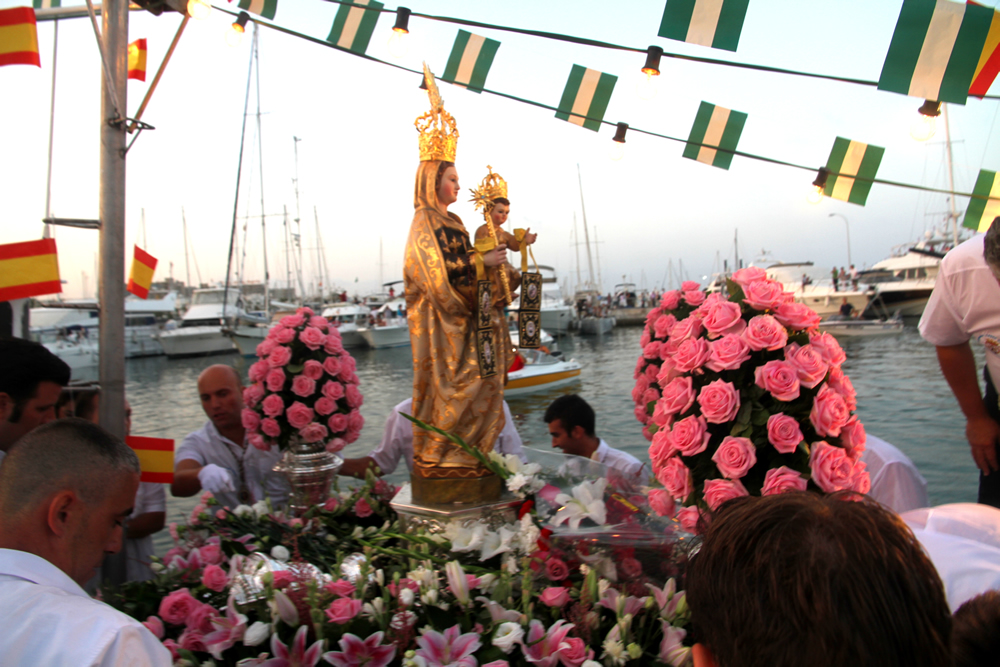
265 8
715 23
586 97
714 128
353 26
46 4
981 212
857 164
470 61
935 49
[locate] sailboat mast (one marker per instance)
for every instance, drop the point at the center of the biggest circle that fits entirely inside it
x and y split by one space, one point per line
586 234
576 244
260 153
187 263
52 124
320 264
597 249
951 175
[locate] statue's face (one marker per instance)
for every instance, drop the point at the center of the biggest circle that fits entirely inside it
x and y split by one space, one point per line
499 213
447 193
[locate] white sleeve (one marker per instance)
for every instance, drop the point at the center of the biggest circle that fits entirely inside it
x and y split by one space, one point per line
150 498
940 325
391 449
191 448
135 646
509 440
899 487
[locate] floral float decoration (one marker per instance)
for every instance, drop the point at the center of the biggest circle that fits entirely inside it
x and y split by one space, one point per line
743 395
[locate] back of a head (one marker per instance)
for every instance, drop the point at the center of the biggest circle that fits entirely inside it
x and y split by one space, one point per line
66 453
24 364
571 411
803 579
991 245
975 634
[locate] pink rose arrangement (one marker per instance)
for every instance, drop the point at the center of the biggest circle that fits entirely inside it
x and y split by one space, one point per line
742 395
304 385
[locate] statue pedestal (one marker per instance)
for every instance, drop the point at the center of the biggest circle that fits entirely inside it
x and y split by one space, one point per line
434 518
455 490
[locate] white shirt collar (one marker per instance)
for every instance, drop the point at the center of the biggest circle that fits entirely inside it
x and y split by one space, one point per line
37 570
601 452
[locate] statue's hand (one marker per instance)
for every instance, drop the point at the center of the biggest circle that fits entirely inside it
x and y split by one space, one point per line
496 257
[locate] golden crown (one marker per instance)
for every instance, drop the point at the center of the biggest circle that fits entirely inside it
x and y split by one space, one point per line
438 132
493 186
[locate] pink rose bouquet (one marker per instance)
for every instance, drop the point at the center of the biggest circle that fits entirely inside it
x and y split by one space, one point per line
742 395
304 386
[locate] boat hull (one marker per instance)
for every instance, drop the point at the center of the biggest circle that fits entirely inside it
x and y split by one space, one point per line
908 301
196 342
558 320
853 328
350 336
77 355
532 378
379 338
595 326
246 339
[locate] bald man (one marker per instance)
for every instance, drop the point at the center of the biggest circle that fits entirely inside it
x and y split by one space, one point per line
65 490
217 458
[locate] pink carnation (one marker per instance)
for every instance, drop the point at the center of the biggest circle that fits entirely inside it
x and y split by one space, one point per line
832 469
691 355
273 405
661 502
333 390
299 414
718 491
763 332
670 300
250 419
279 356
270 427
720 317
313 432
734 457
303 386
275 379
727 353
675 478
337 423
719 402
782 480
690 435
313 369
779 379
829 412
677 398
214 577
362 508
763 294
312 338
748 275
797 316
808 363
783 432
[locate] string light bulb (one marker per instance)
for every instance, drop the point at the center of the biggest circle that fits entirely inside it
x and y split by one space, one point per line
234 37
646 87
925 125
198 9
397 41
815 195
618 142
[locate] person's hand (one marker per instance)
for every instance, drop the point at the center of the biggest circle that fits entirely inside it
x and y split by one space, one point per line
984 434
497 256
529 238
215 479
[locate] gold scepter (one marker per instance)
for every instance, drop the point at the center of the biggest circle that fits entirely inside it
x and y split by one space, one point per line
493 186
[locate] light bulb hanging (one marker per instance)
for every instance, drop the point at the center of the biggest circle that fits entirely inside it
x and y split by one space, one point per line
398 45
815 194
646 87
925 125
618 142
198 9
235 34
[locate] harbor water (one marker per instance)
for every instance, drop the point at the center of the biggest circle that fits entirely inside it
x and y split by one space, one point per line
902 398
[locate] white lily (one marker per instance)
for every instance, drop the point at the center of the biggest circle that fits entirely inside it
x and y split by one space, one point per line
457 582
465 538
587 502
496 543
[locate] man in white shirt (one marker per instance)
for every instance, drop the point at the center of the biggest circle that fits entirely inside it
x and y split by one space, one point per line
31 379
571 424
397 443
217 457
965 307
65 491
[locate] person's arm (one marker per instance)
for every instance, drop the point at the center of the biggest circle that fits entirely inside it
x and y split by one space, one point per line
959 368
186 482
359 467
145 524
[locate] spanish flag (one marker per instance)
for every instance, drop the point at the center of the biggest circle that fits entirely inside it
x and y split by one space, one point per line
29 269
137 59
18 37
141 276
156 458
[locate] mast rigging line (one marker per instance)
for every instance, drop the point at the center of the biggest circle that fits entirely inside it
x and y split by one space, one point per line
549 107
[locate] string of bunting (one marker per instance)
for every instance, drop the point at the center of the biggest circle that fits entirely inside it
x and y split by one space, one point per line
595 120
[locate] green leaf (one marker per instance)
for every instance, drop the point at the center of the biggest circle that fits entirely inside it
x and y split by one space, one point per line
743 416
760 417
735 291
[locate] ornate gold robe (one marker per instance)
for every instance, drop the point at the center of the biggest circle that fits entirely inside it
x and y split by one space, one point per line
440 278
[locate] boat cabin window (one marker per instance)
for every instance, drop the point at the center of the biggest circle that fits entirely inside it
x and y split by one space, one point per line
215 297
208 322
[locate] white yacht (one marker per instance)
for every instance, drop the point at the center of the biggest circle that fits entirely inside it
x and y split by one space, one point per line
904 281
390 328
813 287
348 318
200 331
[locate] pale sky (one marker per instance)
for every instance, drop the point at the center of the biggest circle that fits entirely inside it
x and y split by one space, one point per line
358 150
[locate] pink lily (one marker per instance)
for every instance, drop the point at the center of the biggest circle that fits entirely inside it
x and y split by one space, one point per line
298 656
667 599
620 604
672 649
497 612
230 630
542 646
449 649
357 653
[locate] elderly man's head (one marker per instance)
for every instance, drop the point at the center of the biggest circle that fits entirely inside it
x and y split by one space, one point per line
803 579
65 490
221 391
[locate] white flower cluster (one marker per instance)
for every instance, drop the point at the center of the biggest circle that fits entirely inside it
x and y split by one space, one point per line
512 538
523 480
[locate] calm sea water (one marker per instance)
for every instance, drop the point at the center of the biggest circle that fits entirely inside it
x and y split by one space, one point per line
902 398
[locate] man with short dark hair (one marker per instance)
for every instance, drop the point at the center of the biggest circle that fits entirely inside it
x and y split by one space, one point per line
571 423
803 579
65 491
31 379
965 307
217 457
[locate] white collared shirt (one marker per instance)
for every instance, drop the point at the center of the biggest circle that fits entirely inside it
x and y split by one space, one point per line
47 619
149 498
207 445
397 439
623 462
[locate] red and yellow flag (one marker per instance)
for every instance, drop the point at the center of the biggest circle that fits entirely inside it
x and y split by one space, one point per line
137 59
28 269
140 278
989 60
156 458
18 37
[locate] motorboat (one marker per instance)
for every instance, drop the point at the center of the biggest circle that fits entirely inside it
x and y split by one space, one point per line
812 286
904 281
75 347
594 319
348 318
595 325
540 371
200 331
390 328
849 327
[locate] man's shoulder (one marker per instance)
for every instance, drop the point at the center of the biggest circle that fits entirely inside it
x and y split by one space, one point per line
617 454
965 256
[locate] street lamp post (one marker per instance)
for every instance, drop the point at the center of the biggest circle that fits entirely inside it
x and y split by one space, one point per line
847 226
